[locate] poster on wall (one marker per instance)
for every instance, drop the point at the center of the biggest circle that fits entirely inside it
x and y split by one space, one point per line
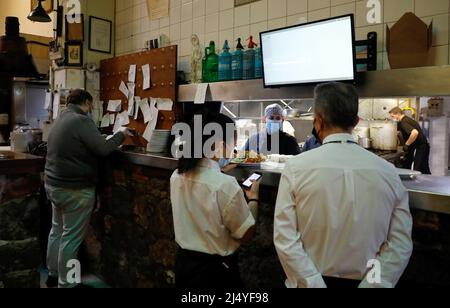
158 8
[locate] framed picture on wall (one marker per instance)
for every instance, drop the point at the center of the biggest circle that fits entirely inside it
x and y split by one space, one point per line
74 30
47 5
100 34
74 53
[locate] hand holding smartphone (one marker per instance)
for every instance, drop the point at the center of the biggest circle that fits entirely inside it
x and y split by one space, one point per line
253 178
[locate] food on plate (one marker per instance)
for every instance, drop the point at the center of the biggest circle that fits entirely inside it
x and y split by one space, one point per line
249 157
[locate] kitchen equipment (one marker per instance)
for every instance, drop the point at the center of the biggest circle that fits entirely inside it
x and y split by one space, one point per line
384 136
296 113
362 130
20 140
365 142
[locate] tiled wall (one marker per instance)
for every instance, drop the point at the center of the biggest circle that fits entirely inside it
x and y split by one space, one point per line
218 20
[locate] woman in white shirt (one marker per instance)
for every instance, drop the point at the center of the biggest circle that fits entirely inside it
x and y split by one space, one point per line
211 215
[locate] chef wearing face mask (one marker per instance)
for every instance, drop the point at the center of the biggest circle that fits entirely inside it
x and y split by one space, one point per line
272 140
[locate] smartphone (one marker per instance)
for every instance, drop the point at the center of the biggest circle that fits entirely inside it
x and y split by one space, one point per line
254 177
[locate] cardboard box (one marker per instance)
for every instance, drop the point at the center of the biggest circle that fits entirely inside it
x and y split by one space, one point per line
408 42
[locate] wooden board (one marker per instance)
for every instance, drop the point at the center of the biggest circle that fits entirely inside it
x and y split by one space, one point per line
163 67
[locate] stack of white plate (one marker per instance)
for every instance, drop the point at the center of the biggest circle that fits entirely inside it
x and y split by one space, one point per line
159 141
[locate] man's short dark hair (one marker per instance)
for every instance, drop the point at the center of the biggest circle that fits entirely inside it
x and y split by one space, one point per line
338 104
79 97
397 111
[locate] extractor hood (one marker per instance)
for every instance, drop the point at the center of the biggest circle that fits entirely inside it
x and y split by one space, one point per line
15 61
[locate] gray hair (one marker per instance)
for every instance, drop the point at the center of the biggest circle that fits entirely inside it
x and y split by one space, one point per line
337 103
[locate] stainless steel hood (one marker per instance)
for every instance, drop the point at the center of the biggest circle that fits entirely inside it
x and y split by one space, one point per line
413 82
14 58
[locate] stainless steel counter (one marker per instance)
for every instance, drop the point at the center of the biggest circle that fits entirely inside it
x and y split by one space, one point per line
429 193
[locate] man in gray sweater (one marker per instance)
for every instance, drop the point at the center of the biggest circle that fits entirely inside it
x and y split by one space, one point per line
74 147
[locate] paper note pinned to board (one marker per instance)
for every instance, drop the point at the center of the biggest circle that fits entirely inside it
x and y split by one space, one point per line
131 88
48 100
145 108
105 121
164 104
137 99
123 118
132 74
123 88
114 105
147 77
200 95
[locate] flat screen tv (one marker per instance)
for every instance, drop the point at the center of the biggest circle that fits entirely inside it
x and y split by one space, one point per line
320 51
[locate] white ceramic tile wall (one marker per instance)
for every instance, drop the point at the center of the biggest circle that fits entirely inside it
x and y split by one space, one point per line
219 20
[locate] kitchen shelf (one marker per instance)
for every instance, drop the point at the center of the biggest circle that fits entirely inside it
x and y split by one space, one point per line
411 82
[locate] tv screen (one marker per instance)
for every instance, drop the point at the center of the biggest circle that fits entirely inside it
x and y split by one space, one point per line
320 51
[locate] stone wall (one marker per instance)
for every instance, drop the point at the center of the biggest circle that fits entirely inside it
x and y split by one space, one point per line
131 240
20 254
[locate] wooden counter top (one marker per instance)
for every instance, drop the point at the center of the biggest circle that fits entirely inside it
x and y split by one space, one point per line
18 163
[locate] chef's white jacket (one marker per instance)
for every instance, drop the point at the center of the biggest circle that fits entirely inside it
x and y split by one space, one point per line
338 208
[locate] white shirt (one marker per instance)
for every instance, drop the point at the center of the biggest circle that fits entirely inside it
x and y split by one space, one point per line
338 207
210 212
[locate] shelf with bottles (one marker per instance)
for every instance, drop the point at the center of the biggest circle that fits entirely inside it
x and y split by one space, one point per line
239 65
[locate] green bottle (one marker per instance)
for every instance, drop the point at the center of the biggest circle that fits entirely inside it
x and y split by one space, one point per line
212 64
204 72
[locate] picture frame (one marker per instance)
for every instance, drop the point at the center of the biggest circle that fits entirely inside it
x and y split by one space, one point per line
75 31
100 34
73 53
47 5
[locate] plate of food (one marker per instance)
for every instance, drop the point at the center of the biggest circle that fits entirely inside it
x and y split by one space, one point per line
249 159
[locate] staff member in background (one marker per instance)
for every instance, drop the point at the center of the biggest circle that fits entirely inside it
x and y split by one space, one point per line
340 206
416 147
211 216
74 147
261 143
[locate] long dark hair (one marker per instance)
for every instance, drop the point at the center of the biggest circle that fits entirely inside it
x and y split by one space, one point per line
187 164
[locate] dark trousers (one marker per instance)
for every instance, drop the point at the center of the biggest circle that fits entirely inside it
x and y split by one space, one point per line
420 156
338 283
195 270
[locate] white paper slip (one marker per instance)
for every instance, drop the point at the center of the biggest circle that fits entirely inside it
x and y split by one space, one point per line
153 112
117 124
131 89
56 101
137 99
123 88
105 121
145 108
148 133
147 77
48 100
114 105
164 104
132 74
200 95
112 119
123 118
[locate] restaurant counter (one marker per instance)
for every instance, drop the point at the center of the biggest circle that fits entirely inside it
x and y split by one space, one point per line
20 193
131 239
428 193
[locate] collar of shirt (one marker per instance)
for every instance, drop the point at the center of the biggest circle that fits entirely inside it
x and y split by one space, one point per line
209 163
339 138
76 109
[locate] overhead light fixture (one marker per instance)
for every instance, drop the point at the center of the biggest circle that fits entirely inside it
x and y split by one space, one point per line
39 14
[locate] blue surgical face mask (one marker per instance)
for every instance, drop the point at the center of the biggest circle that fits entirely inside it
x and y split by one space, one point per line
90 115
223 162
274 126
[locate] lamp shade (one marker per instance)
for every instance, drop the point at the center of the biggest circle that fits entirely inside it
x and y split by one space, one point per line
39 14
